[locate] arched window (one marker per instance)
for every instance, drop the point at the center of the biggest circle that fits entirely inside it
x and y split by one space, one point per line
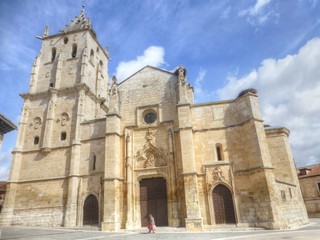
53 54
219 152
65 40
74 50
91 55
36 140
63 136
94 163
101 64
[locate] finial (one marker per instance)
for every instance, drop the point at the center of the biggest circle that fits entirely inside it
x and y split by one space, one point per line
46 32
83 6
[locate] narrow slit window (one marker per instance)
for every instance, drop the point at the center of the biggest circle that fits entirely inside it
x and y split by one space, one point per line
63 136
94 162
319 186
219 152
290 193
53 54
74 50
65 40
91 55
36 140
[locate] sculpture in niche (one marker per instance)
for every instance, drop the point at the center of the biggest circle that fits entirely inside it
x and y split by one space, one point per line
150 154
217 174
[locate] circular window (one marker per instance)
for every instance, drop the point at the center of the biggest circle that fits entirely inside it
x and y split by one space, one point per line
150 117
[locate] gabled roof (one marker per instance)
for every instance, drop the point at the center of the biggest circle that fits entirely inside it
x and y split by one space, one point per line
6 125
147 66
311 171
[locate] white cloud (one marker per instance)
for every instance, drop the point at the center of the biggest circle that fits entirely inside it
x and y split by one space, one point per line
258 14
5 159
153 56
200 93
226 12
289 92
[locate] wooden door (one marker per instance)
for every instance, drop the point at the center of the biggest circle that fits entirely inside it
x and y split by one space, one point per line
153 199
91 211
223 205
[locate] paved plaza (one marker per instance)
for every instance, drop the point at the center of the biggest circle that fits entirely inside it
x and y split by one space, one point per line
310 231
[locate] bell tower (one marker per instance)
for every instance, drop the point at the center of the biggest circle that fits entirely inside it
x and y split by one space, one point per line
68 85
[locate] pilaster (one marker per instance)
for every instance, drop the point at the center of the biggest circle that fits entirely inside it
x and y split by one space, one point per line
70 217
34 75
46 144
193 220
112 177
129 181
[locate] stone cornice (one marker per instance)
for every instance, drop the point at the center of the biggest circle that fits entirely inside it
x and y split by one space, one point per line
286 183
64 91
277 131
254 169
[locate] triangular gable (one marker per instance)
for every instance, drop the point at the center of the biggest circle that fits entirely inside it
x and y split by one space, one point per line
147 66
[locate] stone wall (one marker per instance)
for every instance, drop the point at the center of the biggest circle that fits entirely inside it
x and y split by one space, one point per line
311 194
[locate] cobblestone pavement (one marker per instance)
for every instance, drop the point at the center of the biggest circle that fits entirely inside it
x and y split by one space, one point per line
311 231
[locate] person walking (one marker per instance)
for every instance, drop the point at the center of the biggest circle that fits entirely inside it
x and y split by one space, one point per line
151 223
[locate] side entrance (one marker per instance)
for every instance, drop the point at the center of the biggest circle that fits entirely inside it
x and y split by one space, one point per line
91 211
153 199
223 205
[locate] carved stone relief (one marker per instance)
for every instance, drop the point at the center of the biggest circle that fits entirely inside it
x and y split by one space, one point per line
150 155
36 122
216 174
64 119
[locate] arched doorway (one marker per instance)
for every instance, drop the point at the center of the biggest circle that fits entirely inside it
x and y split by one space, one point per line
223 205
91 211
153 199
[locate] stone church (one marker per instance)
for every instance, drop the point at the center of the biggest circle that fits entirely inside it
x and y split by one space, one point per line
92 151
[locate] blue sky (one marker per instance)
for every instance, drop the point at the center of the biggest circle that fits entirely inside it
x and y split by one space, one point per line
226 46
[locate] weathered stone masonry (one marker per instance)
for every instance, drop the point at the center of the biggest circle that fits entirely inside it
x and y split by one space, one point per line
89 149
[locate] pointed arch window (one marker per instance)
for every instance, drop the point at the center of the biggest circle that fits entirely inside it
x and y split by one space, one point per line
74 50
53 54
65 40
91 55
219 152
94 162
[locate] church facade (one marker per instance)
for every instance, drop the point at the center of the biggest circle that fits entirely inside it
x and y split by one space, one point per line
92 151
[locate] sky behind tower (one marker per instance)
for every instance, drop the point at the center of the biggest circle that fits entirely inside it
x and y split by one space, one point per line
226 46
